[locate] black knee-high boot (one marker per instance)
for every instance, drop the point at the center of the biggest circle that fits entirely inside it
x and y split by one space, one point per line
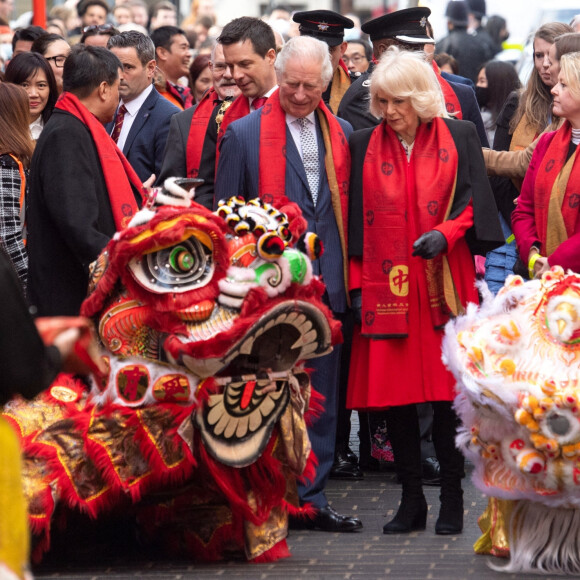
403 428
445 423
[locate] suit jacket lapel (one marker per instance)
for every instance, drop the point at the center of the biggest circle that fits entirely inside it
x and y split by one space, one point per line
141 118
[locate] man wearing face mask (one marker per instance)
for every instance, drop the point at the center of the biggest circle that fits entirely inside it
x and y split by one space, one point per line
192 139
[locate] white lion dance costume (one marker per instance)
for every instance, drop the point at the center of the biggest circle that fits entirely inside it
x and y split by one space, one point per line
517 363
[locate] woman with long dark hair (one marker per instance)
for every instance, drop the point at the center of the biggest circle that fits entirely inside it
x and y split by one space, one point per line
55 50
16 148
31 71
495 81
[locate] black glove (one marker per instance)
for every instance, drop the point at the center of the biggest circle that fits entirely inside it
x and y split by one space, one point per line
429 245
356 305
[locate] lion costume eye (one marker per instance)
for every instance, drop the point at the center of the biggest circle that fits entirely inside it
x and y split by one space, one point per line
179 268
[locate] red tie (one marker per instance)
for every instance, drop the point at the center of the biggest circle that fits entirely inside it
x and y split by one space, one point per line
259 102
118 123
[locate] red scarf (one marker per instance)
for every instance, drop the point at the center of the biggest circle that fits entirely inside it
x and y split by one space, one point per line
393 188
118 173
451 101
197 131
272 183
557 177
238 109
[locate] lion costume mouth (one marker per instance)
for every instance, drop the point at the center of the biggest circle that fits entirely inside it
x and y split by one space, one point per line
289 332
256 379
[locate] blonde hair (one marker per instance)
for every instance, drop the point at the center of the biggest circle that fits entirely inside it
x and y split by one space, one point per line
570 69
405 74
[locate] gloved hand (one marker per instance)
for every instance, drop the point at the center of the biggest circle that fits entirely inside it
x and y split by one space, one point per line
356 305
429 245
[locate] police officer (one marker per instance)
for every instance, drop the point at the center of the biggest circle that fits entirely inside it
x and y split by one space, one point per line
407 29
329 26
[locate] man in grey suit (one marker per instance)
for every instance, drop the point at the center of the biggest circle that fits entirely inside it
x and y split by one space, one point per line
141 124
294 148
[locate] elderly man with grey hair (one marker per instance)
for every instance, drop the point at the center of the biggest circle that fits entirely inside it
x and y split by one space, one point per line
295 148
141 123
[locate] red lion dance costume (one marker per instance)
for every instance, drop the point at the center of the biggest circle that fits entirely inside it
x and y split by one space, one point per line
206 320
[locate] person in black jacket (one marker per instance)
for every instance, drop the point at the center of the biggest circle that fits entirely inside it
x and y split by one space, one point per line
470 50
82 189
404 29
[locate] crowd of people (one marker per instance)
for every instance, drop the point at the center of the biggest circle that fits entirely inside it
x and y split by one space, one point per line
382 137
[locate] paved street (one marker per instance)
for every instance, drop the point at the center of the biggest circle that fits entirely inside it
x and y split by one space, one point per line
368 554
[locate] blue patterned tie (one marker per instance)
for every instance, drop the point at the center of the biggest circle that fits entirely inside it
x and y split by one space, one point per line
309 148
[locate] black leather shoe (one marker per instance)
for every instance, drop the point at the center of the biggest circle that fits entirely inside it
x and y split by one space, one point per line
351 456
431 471
343 468
411 516
328 519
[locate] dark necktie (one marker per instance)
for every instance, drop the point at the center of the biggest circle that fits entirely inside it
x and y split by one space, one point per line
259 102
118 123
309 156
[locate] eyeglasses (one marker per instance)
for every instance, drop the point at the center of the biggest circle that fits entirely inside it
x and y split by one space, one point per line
219 67
98 28
58 60
356 58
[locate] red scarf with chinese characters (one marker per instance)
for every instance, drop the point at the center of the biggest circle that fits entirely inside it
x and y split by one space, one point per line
272 170
393 188
197 131
451 101
118 173
556 190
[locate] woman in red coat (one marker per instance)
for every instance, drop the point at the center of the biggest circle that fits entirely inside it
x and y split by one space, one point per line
546 220
420 203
